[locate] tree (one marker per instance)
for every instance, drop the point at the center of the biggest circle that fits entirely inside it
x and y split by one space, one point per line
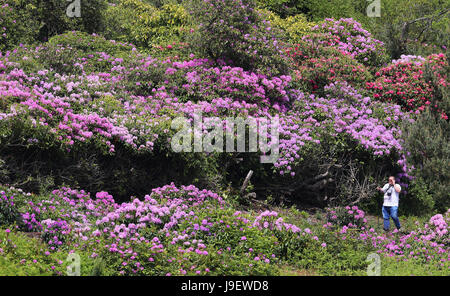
428 146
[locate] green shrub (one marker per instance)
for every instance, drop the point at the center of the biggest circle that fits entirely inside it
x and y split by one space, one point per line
90 43
235 32
427 141
21 255
18 24
27 21
418 201
295 27
9 213
339 257
284 8
53 15
415 27
146 26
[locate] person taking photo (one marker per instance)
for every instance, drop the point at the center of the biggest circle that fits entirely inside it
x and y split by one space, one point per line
390 205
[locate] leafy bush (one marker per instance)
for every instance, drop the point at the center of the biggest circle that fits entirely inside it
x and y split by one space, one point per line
349 36
295 27
319 66
413 27
91 43
53 14
21 255
418 201
141 23
9 213
27 21
403 83
234 31
391 266
346 216
18 24
427 142
284 8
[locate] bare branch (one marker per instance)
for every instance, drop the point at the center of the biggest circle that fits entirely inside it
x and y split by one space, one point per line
246 181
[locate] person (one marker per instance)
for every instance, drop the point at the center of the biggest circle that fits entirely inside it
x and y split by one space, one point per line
390 205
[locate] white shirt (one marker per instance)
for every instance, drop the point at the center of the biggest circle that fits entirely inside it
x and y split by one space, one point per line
391 201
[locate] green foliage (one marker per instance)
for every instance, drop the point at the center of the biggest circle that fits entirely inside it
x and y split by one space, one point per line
145 25
396 267
9 213
321 9
418 201
63 54
18 24
21 255
235 32
56 21
427 32
427 141
284 8
295 27
419 27
339 257
27 21
90 43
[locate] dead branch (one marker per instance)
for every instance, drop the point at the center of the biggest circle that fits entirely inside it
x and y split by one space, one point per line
246 181
428 19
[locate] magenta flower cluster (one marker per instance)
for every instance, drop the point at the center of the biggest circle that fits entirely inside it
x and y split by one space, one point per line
350 37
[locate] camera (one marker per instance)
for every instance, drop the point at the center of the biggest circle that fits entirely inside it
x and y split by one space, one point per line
389 190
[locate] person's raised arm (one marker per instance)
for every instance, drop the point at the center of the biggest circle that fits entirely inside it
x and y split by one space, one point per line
382 189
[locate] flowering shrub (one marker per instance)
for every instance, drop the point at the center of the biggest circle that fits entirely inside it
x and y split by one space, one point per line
110 100
207 84
187 231
437 229
17 25
342 113
346 216
55 232
403 82
320 66
9 213
82 111
234 31
348 36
